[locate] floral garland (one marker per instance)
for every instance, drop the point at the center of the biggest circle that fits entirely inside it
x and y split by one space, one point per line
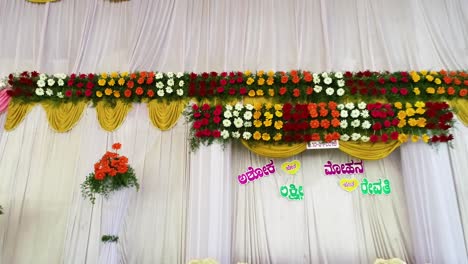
1 210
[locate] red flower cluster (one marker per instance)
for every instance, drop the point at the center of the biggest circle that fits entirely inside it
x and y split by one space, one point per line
383 112
205 116
212 84
110 164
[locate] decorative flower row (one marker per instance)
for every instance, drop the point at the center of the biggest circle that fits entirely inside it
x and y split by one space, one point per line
295 86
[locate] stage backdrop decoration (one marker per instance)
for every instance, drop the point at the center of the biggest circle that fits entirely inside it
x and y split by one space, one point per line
112 178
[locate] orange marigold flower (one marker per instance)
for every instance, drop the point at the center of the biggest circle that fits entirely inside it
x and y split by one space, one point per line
141 80
133 76
130 84
332 105
440 90
335 122
313 113
325 123
116 146
328 138
284 79
335 113
315 137
128 93
282 90
99 175
151 74
462 74
322 104
143 74
447 80
453 73
307 77
312 106
323 112
309 90
314 123
450 90
457 81
296 92
463 92
443 72
293 73
150 93
296 79
465 82
139 90
149 80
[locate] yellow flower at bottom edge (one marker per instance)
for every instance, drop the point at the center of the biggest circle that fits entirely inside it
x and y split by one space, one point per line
412 122
257 135
271 92
425 138
251 93
402 123
99 94
277 137
116 94
278 124
423 72
402 138
266 136
121 81
108 91
259 92
421 122
249 81
414 138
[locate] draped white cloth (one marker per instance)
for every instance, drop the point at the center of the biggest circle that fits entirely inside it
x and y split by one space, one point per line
189 205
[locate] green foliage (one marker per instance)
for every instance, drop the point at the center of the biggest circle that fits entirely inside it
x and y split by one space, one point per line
1 210
109 238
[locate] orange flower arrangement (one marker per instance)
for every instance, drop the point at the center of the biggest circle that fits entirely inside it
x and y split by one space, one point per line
111 173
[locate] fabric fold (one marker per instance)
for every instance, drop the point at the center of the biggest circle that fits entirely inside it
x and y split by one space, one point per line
16 113
164 115
110 117
63 117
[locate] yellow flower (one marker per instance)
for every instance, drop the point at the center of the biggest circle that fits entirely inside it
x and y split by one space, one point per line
257 123
437 81
414 138
278 124
277 137
410 112
124 74
408 105
261 81
440 90
278 107
425 138
415 77
416 91
257 115
116 94
271 73
421 122
402 123
402 138
278 113
260 73
271 92
419 104
250 80
268 115
412 122
266 136
423 72
257 135
267 123
108 91
401 115
121 81
434 73
429 78
420 111
99 94
398 105
111 82
104 75
251 93
114 75
258 106
268 106
260 92
101 82
270 81
247 73
430 90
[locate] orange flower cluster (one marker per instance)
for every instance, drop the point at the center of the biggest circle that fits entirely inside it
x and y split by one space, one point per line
138 79
323 109
110 164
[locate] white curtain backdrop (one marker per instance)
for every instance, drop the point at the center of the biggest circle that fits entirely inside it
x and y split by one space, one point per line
189 205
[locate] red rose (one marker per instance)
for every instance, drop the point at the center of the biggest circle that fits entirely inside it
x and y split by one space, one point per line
216 134
78 93
404 79
213 74
232 91
348 74
89 85
206 107
223 82
193 76
394 90
383 91
88 93
394 135
384 137
197 114
195 107
223 74
197 125
403 91
395 122
34 74
242 91
205 122
393 79
220 90
377 126
240 80
68 93
381 80
205 75
80 85
374 138
73 76
70 82
387 123
82 76
216 119
90 76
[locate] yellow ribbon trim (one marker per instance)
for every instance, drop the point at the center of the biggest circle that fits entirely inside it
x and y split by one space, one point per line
63 117
368 150
110 117
17 111
275 151
165 115
461 110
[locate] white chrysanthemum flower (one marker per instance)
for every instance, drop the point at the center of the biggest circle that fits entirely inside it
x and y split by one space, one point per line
324 74
362 105
235 134
344 137
159 75
249 107
225 134
239 106
316 79
344 113
329 91
181 83
60 75
180 92
169 74
327 80
60 82
339 75
355 113
247 124
160 85
160 92
43 76
227 122
170 82
365 113
318 88
49 92
179 74
40 83
355 123
366 124
235 113
340 83
247 135
238 122
169 90
365 138
340 107
350 106
40 91
227 113
228 107
340 92
248 115
51 82
60 95
355 136
343 124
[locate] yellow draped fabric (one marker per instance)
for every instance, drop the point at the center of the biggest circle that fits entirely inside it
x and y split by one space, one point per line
275 151
112 116
17 111
165 115
461 109
63 116
368 150
42 1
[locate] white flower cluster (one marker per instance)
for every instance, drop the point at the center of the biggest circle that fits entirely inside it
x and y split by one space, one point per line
45 83
355 117
235 118
3 82
173 82
328 79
